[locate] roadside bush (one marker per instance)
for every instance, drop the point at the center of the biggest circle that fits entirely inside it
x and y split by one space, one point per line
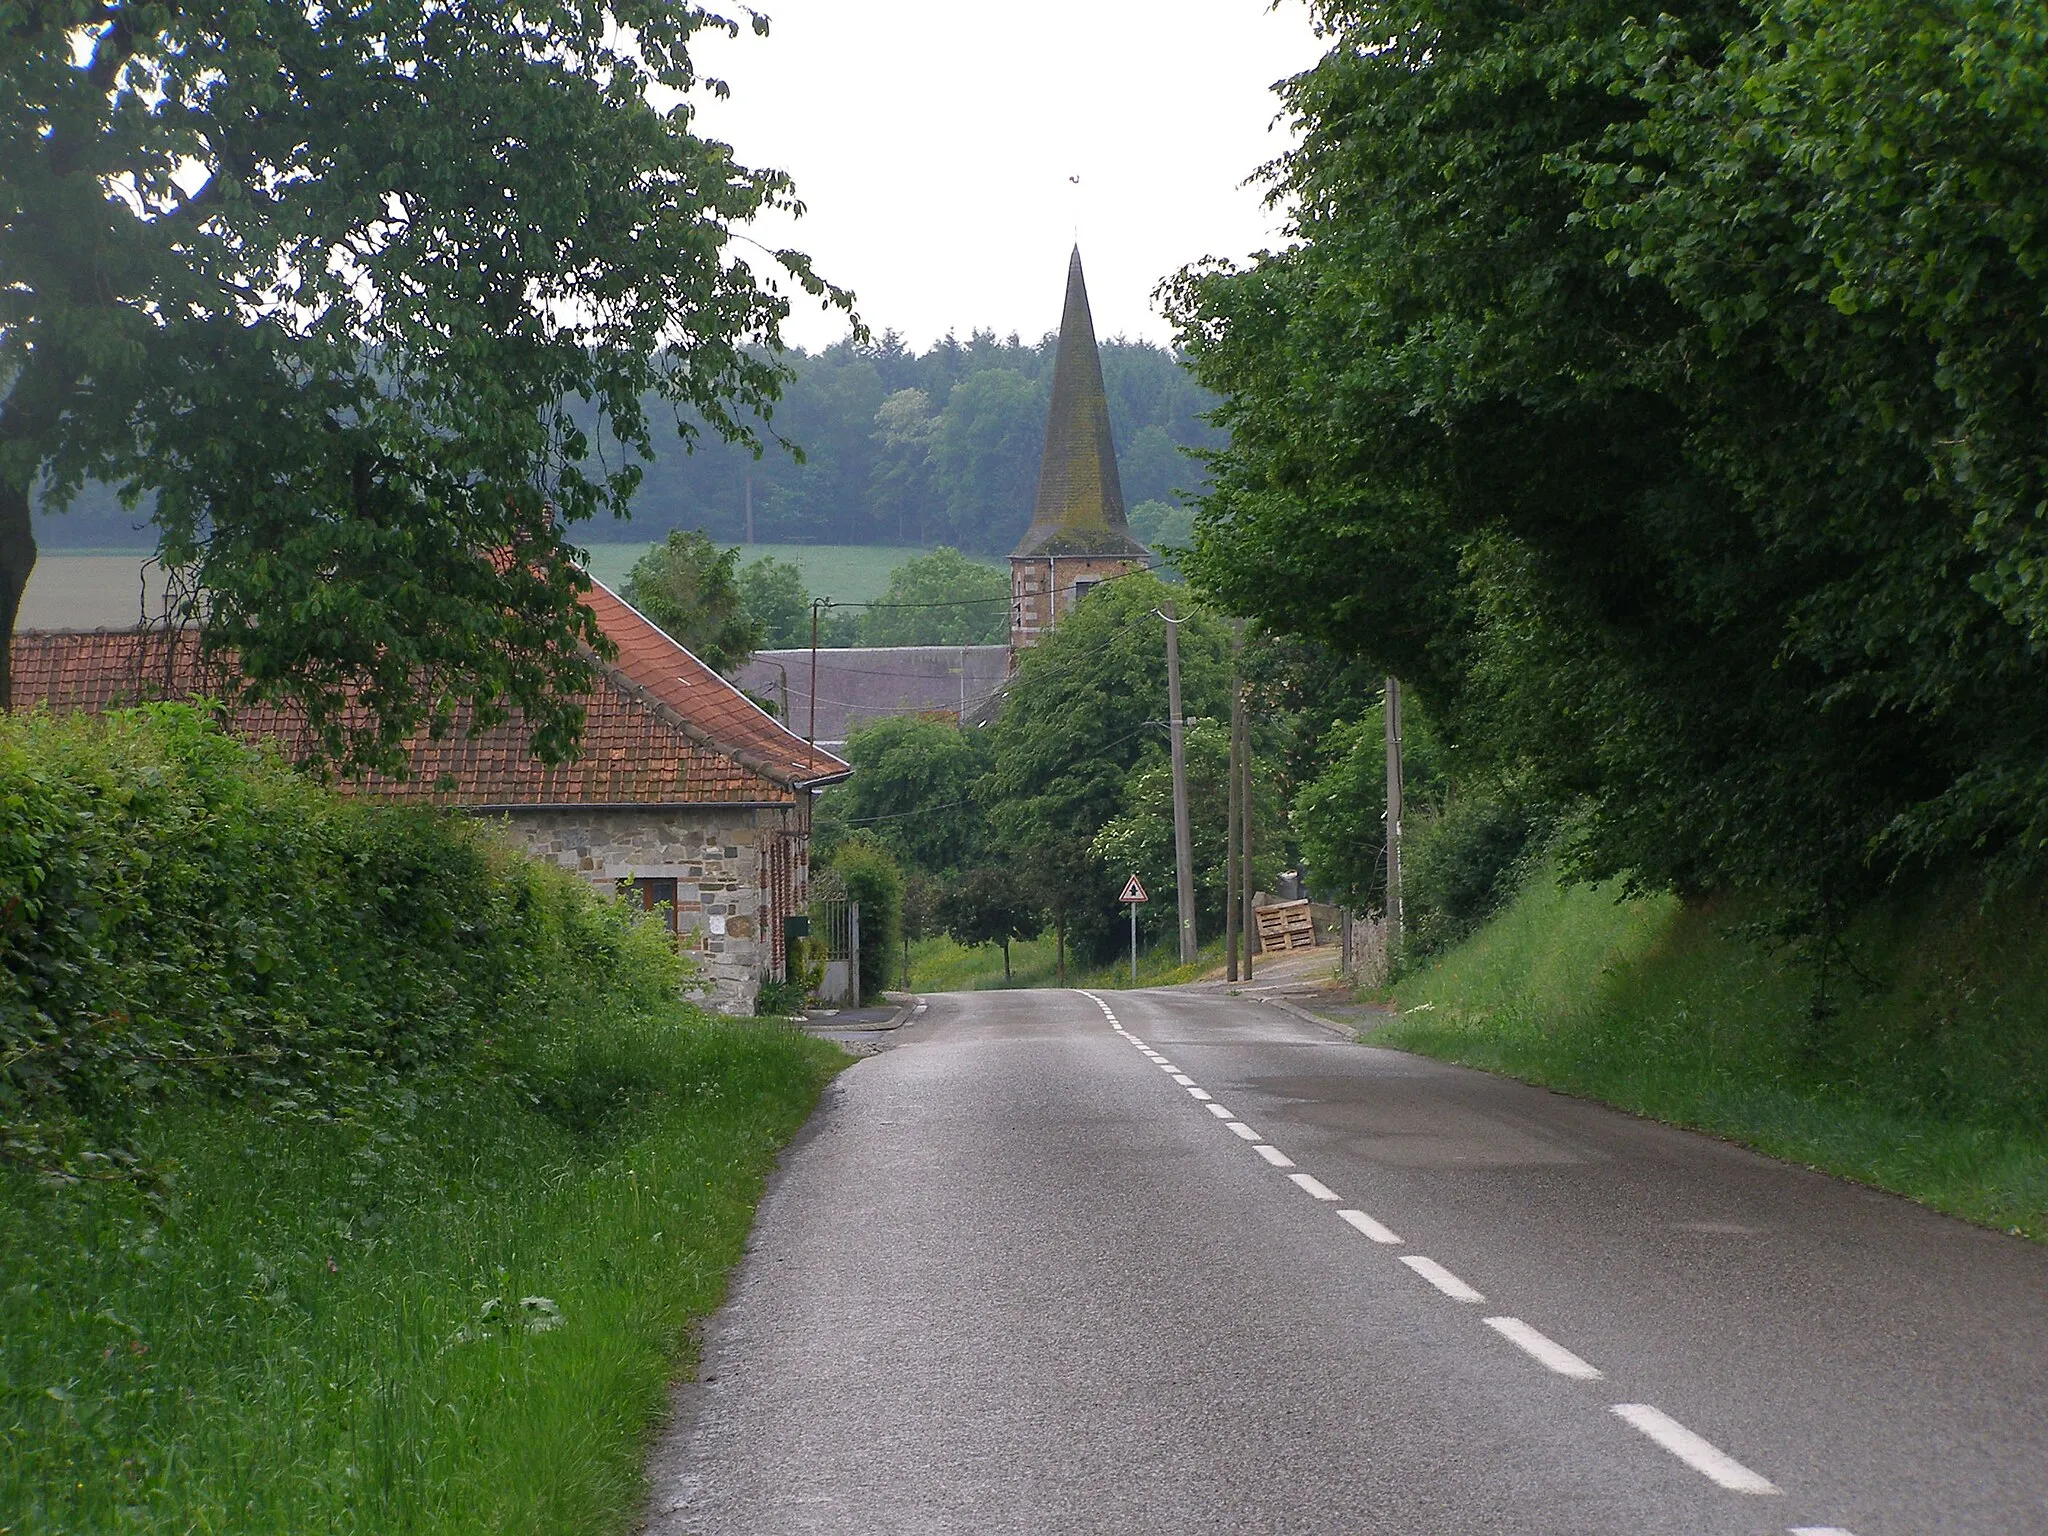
180 914
776 999
872 878
1463 864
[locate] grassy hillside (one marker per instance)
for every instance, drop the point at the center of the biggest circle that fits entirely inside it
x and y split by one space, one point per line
1923 1070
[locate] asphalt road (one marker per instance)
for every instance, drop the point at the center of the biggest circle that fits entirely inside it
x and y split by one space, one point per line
1019 1276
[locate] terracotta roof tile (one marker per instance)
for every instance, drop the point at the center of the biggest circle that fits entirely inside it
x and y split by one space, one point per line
636 749
650 660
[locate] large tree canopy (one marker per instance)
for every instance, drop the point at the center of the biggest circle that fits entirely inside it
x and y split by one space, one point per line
1667 402
327 280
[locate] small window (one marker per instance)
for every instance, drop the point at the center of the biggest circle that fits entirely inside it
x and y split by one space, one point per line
1083 587
657 895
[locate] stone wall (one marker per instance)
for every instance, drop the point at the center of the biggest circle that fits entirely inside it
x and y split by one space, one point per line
713 853
1044 587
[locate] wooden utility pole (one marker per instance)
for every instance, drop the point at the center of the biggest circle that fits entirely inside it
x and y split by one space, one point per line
1230 841
1244 799
1183 837
1393 714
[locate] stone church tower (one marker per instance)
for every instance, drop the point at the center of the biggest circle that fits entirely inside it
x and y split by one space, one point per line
1078 536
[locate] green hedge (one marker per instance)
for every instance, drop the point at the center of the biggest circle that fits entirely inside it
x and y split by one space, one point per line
181 914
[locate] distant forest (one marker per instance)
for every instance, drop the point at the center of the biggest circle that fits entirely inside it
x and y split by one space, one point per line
900 447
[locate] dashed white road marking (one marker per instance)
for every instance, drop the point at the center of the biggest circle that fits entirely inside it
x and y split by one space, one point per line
1819 1530
1441 1278
1368 1226
1542 1348
1700 1455
1314 1186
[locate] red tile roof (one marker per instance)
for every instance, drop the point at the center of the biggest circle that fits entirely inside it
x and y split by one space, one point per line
705 701
660 727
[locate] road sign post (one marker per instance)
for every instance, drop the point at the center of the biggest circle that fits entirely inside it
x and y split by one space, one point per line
1133 897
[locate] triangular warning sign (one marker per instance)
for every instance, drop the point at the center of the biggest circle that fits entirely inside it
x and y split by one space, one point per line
1133 891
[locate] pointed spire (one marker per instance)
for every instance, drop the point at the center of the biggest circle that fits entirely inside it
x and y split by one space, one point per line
1080 505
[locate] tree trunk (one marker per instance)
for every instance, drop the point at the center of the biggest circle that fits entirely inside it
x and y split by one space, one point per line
17 559
1006 959
1059 949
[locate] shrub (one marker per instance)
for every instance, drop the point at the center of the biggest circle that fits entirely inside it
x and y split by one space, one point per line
871 877
180 914
780 999
1462 865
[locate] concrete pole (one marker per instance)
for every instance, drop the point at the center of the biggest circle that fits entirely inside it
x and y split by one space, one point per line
1183 837
1393 714
1249 925
1230 842
853 946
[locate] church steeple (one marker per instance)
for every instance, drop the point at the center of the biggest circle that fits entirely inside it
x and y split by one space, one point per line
1079 509
1078 537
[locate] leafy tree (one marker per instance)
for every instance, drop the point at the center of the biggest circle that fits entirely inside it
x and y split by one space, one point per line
1341 814
900 491
942 598
990 435
1162 524
1139 840
990 905
913 790
1617 395
1087 703
322 278
773 597
691 589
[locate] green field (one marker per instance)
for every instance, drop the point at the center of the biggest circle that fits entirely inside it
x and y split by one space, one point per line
940 965
102 589
848 573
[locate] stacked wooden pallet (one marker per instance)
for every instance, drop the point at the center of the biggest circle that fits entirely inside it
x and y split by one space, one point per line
1283 926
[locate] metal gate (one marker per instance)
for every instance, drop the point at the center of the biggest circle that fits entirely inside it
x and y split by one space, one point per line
835 922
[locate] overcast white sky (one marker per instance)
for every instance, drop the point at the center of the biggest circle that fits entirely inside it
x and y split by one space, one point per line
932 141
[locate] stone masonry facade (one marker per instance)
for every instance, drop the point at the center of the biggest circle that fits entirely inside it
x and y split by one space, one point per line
715 854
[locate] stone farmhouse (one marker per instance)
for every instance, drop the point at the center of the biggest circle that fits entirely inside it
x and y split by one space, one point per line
685 793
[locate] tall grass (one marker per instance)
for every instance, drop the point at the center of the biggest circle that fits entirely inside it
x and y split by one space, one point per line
941 965
1923 1067
323 1327
356 1175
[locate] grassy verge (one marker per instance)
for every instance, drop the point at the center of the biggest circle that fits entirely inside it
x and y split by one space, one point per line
940 965
317 1326
1927 1074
